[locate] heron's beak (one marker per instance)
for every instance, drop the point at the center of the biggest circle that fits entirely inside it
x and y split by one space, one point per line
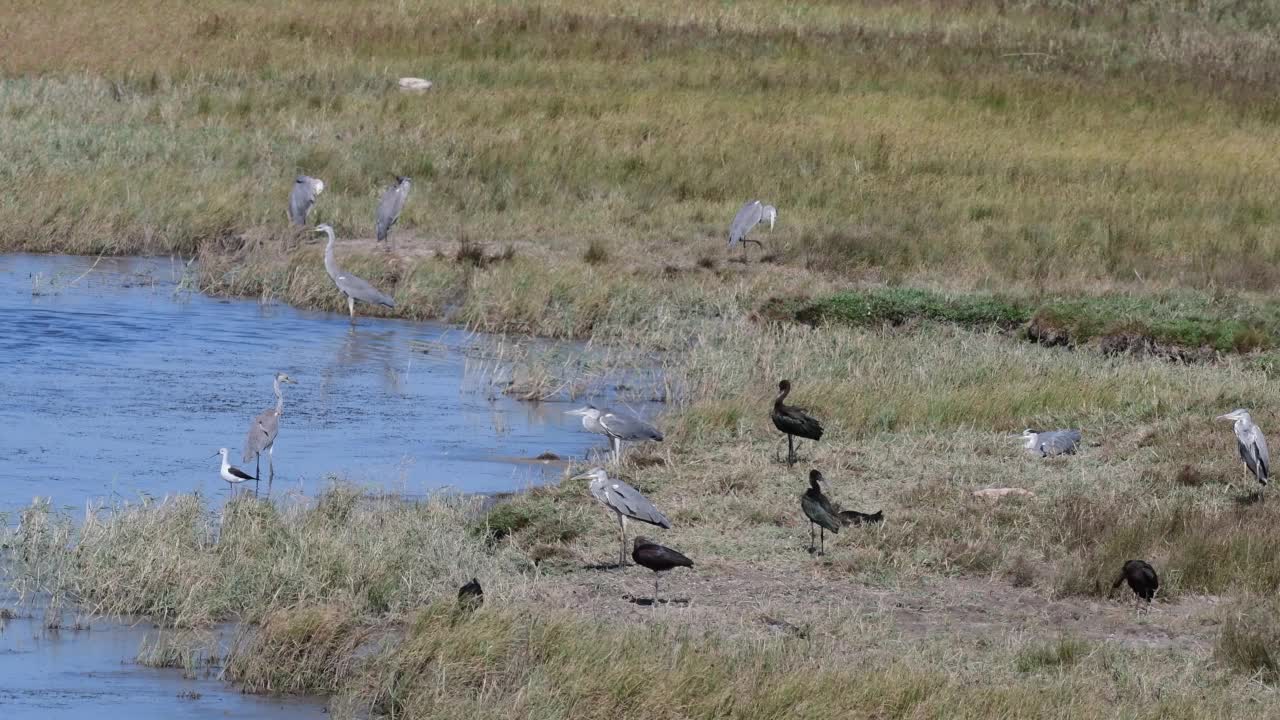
579 411
1228 416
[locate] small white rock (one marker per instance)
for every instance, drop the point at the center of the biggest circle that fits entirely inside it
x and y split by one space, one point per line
1001 492
412 84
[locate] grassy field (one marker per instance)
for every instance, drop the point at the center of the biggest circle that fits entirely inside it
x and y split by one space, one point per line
992 215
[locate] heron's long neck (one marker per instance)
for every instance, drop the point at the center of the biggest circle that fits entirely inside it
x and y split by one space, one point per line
330 262
279 398
1031 441
782 395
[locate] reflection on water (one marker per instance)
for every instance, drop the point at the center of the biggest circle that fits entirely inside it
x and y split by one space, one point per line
115 384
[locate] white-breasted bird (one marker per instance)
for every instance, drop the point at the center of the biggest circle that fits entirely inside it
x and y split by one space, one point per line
1251 444
233 475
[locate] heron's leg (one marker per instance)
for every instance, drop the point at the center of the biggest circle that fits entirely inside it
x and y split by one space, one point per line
622 536
271 464
655 589
791 449
822 540
351 307
812 547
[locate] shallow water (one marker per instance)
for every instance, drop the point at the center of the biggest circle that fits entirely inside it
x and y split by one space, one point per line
116 384
74 675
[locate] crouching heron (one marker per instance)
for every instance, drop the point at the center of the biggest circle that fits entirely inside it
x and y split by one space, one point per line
389 207
625 502
752 213
1047 443
353 287
302 198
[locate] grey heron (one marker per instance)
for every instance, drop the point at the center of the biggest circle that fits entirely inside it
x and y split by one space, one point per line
304 194
233 475
1251 444
262 434
659 559
794 421
1141 577
390 206
353 287
817 507
617 426
1050 442
750 215
470 596
625 502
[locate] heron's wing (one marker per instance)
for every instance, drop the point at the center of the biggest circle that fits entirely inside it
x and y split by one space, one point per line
389 211
628 501
262 432
627 427
746 219
1262 452
362 290
1057 442
301 200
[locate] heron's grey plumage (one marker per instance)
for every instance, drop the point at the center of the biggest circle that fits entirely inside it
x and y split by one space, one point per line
1051 442
263 430
617 426
752 213
1251 444
390 206
625 501
303 197
353 287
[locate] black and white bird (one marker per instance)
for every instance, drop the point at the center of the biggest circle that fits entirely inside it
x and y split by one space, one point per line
1141 577
1251 444
471 595
1048 443
233 475
818 508
794 421
659 559
617 426
626 502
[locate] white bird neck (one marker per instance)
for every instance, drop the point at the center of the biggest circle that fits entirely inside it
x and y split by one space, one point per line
225 465
1031 441
279 396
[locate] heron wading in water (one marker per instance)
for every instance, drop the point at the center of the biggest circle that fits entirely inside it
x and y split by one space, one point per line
302 198
794 421
1251 445
618 427
390 205
262 435
750 215
625 502
233 475
353 287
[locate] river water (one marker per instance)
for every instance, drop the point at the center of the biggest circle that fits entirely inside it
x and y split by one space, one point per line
116 384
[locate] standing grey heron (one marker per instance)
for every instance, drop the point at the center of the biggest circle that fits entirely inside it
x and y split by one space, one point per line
659 559
390 206
262 435
1252 445
1050 442
818 508
233 475
626 502
616 426
794 421
1141 577
353 287
305 191
752 213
